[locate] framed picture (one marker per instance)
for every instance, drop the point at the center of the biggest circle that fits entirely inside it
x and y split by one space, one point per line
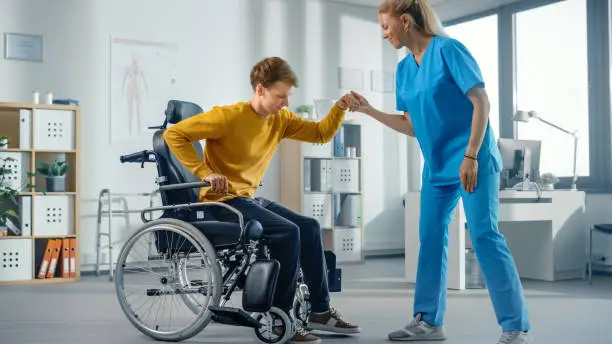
23 47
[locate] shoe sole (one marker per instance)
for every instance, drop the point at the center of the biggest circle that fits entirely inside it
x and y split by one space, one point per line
416 339
438 338
340 330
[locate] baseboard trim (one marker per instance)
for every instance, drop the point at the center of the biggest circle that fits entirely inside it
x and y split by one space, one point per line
391 253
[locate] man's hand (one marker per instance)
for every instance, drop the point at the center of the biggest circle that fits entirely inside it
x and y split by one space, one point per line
348 102
218 183
364 105
468 173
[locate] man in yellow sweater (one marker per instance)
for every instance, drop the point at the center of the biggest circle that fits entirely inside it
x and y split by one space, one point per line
241 139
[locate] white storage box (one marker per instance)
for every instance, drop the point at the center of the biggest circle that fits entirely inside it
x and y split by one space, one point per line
347 244
53 215
54 129
346 175
15 259
19 166
317 150
318 206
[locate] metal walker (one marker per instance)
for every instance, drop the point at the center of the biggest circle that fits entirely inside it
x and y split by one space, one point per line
107 198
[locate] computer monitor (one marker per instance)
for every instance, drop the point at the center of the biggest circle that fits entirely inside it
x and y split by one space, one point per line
521 160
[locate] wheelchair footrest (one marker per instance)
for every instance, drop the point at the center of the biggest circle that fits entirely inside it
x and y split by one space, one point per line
233 316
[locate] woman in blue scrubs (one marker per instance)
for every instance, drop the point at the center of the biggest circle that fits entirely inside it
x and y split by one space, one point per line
440 91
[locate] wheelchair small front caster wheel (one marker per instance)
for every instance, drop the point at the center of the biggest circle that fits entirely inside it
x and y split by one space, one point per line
276 327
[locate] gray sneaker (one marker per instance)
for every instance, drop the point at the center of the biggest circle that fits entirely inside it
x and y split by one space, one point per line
513 338
418 330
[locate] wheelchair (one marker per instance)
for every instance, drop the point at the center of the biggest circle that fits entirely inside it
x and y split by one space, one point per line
185 259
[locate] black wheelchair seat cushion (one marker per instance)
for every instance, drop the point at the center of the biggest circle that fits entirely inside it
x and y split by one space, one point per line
219 233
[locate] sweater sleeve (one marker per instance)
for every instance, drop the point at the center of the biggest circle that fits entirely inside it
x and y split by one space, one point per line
299 129
181 136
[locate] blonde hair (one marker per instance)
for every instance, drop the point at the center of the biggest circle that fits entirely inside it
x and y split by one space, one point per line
420 13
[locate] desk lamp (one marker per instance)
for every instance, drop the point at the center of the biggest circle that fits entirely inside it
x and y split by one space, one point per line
525 116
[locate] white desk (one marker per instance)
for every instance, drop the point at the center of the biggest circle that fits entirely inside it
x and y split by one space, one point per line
547 237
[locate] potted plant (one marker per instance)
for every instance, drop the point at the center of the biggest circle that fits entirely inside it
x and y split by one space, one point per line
8 194
304 111
4 142
548 181
55 175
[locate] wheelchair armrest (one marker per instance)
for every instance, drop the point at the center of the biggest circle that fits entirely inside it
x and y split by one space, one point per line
183 186
196 205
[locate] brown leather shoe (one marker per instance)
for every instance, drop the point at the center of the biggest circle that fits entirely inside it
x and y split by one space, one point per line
302 336
331 322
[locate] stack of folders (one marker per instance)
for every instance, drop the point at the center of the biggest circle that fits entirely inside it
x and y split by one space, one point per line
318 175
59 253
339 149
307 175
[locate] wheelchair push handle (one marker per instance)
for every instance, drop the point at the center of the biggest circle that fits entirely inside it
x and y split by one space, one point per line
139 157
134 157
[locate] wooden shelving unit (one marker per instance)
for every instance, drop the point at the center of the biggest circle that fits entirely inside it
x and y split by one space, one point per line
40 133
325 181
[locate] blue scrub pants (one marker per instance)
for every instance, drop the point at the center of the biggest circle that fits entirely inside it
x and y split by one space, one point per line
499 270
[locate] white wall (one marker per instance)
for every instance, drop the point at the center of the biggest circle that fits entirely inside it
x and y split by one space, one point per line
347 36
215 58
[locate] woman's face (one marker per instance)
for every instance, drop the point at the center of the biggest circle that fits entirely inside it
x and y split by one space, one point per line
393 29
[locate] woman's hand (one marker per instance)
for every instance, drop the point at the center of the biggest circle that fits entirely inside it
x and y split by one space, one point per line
469 173
364 105
348 102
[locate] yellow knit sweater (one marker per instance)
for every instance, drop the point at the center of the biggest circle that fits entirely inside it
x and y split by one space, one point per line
240 144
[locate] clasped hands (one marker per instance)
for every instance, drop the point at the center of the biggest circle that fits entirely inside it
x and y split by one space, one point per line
353 102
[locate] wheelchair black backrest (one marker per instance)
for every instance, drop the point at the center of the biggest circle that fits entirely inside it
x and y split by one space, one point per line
169 168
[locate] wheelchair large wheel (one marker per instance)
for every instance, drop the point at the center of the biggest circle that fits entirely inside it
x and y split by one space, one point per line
277 327
176 276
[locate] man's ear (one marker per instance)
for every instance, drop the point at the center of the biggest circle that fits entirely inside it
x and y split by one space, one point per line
259 89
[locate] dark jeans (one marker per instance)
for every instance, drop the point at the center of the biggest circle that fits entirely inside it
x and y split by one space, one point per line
294 240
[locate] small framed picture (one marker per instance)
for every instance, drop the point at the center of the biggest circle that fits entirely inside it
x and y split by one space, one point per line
18 46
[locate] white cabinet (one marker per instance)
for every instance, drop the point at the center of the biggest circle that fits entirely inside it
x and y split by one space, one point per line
324 181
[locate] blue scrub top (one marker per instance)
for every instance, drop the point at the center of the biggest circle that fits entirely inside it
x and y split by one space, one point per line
434 93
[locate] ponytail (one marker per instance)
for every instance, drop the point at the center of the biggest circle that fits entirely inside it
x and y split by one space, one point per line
421 13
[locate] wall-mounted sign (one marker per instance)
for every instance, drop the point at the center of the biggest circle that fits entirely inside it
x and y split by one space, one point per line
24 47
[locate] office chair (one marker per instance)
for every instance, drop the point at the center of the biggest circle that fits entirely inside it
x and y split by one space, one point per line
603 228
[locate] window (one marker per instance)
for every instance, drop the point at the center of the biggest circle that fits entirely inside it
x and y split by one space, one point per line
552 80
480 38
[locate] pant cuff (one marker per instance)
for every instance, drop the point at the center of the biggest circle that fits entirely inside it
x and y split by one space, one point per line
319 307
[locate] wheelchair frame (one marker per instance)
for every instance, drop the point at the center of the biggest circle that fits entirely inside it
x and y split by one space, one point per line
249 252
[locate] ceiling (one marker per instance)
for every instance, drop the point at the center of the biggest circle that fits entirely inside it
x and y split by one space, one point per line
446 9
375 3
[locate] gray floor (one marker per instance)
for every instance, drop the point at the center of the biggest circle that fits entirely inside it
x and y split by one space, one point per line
374 296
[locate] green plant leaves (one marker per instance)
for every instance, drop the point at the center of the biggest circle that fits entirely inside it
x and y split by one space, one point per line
55 169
